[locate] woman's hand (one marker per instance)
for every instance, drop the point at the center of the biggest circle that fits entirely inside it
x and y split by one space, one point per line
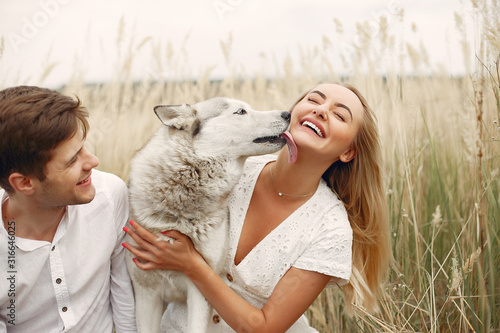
152 253
291 297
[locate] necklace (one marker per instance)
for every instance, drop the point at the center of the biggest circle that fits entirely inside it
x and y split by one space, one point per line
285 194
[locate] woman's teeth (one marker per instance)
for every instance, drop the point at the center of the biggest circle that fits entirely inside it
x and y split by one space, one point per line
313 127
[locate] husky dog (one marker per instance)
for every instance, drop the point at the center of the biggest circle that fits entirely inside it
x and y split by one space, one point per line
180 180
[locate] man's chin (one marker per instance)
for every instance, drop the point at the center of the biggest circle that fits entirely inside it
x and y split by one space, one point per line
87 197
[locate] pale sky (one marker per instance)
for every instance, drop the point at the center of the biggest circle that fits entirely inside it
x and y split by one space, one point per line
81 36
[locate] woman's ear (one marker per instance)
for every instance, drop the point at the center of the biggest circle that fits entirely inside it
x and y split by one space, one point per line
21 183
348 155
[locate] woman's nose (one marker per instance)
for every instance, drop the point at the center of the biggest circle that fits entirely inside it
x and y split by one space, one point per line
320 112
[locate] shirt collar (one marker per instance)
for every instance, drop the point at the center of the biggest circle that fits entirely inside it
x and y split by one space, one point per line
29 245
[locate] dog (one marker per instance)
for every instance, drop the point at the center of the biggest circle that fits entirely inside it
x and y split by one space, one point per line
180 180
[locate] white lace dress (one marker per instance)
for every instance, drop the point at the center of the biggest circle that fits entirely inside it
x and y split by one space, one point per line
316 237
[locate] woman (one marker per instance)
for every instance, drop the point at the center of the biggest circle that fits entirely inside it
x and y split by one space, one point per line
293 225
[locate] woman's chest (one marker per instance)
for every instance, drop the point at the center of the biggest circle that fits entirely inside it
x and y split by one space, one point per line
265 213
260 258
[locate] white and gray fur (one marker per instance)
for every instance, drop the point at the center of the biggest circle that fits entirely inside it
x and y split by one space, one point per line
180 180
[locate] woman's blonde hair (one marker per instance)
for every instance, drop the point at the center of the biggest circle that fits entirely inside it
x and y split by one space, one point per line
359 185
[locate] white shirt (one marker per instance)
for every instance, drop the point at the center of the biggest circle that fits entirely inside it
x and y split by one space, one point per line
316 237
77 283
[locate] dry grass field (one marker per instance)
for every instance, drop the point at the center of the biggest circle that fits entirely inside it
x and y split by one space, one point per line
441 144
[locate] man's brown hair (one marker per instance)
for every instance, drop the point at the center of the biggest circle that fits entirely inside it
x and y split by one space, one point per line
34 121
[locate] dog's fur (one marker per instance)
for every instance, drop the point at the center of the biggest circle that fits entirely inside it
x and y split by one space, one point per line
180 180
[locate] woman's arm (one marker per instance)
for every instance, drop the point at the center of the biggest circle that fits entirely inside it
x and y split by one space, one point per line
291 297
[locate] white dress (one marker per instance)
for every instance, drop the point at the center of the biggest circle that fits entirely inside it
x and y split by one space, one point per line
316 237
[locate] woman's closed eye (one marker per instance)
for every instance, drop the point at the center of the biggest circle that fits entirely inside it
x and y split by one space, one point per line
339 115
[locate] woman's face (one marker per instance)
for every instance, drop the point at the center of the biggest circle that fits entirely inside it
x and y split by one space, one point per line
325 122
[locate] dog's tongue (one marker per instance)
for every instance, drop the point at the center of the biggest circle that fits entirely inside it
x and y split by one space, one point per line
292 148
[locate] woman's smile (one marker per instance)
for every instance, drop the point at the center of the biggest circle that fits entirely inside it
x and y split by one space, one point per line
313 125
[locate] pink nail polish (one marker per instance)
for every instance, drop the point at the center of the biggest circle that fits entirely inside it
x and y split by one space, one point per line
132 223
164 232
125 229
133 259
124 245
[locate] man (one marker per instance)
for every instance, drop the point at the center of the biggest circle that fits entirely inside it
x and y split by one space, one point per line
61 260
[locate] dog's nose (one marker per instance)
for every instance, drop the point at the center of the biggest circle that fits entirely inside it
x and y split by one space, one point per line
285 115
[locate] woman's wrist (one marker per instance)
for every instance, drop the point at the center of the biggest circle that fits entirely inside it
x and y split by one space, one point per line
198 267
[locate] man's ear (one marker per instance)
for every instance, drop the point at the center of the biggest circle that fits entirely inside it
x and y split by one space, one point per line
21 183
348 155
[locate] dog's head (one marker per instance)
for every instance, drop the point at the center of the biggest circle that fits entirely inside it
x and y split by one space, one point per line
223 126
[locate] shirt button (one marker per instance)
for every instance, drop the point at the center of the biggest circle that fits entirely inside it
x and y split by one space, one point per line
64 309
229 277
53 248
216 319
58 281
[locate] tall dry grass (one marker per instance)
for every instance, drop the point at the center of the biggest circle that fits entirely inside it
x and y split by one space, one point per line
440 138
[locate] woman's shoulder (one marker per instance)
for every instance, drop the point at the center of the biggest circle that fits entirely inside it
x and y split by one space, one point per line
330 210
259 160
254 165
328 198
327 238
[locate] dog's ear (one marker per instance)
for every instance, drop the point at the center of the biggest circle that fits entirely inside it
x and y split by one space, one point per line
177 116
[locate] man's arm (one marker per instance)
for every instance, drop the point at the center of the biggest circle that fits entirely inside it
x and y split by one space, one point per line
121 294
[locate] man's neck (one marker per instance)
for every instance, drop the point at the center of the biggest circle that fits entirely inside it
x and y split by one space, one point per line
31 221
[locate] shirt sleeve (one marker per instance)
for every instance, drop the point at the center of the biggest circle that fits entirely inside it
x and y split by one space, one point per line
330 247
121 295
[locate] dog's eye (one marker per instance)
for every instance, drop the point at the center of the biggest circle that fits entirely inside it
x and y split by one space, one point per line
241 111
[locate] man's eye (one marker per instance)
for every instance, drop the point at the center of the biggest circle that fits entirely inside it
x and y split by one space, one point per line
241 112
